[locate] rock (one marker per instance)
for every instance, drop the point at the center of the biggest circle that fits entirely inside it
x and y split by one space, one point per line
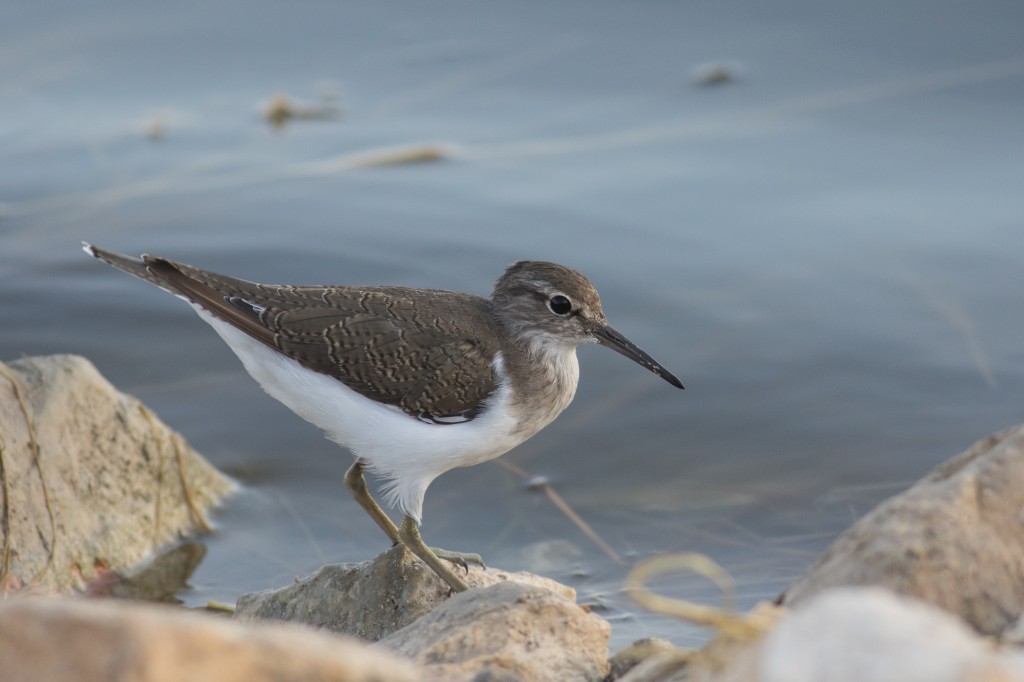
849 634
91 482
871 634
372 599
508 630
954 539
509 626
1014 633
636 653
731 656
164 577
91 640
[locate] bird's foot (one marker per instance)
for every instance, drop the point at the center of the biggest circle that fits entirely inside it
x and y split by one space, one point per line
461 559
409 535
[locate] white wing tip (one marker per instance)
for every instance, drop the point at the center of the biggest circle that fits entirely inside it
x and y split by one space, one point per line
89 249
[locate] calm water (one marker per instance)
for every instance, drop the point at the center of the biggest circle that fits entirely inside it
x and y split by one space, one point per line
829 251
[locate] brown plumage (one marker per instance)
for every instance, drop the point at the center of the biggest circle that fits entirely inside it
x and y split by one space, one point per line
395 345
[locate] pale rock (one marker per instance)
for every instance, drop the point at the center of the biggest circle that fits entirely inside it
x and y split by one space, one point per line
369 600
846 634
44 639
873 635
508 630
91 482
954 539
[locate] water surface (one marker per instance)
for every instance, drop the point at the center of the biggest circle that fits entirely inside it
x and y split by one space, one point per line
827 251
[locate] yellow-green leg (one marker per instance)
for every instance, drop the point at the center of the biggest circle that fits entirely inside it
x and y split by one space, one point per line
356 484
409 533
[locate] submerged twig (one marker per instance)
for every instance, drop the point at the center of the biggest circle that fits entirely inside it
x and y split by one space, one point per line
585 527
542 484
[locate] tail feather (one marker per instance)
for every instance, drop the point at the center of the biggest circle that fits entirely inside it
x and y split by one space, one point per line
131 265
209 291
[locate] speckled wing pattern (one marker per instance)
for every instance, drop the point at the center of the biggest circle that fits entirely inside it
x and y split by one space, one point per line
399 346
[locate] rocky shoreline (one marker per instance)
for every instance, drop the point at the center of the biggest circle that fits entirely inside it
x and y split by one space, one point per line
927 586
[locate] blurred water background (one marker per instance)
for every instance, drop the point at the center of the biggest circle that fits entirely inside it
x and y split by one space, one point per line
826 246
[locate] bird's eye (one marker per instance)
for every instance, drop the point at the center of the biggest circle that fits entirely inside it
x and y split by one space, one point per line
560 305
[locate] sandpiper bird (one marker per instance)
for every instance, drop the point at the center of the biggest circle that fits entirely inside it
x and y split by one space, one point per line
414 381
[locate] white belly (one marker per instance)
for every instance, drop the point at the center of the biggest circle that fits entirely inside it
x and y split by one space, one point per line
406 452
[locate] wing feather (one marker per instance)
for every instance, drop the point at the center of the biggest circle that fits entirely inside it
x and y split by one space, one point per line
428 352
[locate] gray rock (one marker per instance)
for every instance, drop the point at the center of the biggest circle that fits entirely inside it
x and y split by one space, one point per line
638 652
955 539
371 599
508 630
93 640
91 482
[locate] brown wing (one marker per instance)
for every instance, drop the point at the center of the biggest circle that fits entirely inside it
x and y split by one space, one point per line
399 346
402 347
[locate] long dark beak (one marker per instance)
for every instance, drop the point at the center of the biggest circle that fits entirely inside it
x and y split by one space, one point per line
607 336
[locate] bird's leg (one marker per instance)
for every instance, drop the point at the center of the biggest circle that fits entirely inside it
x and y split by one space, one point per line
356 484
409 533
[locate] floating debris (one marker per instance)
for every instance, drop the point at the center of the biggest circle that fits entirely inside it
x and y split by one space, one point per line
280 109
538 482
156 128
159 123
394 156
715 73
218 607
